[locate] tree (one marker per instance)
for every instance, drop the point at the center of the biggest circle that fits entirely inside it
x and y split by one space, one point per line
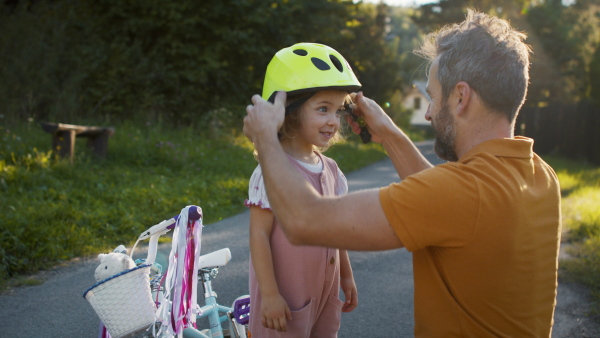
374 59
176 62
569 35
563 39
595 78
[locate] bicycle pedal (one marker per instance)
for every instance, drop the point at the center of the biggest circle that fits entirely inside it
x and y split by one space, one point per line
241 309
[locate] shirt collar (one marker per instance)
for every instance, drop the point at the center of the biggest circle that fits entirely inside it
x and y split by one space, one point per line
517 147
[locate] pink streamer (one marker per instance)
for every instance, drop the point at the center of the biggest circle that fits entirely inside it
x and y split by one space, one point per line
180 307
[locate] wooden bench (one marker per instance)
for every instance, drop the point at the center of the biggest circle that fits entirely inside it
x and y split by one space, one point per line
63 138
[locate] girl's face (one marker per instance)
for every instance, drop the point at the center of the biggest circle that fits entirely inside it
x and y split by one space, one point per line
320 117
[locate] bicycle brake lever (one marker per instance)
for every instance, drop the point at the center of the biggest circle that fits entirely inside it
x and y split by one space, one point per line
364 134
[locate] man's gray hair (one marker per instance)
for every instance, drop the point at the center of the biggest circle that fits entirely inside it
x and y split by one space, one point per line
488 54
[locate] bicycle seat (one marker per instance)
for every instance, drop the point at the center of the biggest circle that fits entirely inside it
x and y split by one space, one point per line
214 259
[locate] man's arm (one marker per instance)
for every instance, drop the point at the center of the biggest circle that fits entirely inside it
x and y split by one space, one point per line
405 156
354 221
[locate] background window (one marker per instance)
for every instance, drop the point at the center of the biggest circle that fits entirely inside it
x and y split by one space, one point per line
417 103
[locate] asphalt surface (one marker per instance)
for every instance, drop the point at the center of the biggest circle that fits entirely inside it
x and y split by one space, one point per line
384 280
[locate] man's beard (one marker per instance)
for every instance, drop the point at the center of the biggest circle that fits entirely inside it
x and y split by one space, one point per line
445 135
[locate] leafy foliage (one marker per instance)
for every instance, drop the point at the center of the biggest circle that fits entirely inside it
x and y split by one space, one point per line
170 62
564 39
570 36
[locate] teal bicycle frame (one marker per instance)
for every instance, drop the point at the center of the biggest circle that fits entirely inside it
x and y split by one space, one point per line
236 315
212 310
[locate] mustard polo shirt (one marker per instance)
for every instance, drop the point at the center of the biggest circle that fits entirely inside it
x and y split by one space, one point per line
484 233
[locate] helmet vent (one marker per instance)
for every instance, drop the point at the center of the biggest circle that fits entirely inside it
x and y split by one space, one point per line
336 62
300 52
322 65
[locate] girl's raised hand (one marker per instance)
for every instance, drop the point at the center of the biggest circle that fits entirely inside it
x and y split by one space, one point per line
274 312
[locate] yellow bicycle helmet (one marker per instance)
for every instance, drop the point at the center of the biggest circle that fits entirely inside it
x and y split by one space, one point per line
308 67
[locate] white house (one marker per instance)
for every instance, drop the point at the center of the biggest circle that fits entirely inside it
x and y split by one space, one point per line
417 100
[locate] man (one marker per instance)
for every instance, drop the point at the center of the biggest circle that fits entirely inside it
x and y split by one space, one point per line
484 228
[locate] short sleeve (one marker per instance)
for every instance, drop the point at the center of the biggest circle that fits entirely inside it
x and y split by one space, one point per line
257 194
341 184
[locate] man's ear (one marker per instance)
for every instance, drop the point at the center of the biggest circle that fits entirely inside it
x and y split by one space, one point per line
463 94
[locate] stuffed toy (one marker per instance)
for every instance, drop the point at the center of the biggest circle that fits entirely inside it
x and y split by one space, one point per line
113 263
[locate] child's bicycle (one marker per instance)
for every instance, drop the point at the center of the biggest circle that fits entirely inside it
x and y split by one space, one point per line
207 269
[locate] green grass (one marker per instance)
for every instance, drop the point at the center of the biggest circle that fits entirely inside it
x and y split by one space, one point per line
52 211
580 187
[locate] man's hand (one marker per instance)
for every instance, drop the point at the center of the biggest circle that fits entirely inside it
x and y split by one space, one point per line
378 122
264 118
274 312
407 159
350 293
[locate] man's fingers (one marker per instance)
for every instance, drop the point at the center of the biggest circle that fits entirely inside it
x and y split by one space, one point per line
360 97
353 96
363 103
256 98
245 129
355 127
280 98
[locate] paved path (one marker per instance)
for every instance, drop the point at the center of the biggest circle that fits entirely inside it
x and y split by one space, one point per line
384 279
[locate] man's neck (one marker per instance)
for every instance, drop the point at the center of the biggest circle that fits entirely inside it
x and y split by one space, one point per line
488 127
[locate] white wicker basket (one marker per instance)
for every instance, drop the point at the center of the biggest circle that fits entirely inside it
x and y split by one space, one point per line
124 301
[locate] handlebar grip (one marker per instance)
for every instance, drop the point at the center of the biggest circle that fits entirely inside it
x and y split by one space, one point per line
194 214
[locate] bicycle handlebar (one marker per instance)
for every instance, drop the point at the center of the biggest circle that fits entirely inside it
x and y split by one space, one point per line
194 214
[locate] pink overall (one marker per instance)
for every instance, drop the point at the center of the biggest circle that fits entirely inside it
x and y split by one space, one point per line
308 277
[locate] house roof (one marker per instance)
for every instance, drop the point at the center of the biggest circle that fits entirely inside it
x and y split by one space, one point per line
421 85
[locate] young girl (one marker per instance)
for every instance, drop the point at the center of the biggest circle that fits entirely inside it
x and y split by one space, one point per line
294 290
